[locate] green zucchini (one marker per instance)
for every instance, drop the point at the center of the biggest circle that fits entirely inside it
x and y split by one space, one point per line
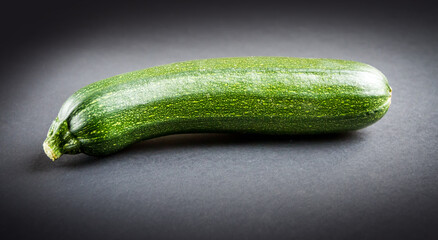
267 95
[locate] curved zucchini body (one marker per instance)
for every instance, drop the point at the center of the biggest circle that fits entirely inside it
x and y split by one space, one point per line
269 95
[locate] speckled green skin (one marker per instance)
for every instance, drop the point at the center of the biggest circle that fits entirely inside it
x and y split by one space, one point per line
270 95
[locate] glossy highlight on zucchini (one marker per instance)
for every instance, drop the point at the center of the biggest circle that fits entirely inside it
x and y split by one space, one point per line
267 95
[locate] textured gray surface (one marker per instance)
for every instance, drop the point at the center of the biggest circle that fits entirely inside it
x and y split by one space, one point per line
379 182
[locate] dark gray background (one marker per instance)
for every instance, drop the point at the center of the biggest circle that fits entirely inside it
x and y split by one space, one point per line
379 182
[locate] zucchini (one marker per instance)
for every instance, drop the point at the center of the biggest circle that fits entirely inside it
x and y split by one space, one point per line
267 95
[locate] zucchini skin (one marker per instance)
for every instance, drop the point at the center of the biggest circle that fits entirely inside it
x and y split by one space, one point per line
268 95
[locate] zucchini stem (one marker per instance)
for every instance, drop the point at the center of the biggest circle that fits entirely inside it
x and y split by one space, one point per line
60 141
50 152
